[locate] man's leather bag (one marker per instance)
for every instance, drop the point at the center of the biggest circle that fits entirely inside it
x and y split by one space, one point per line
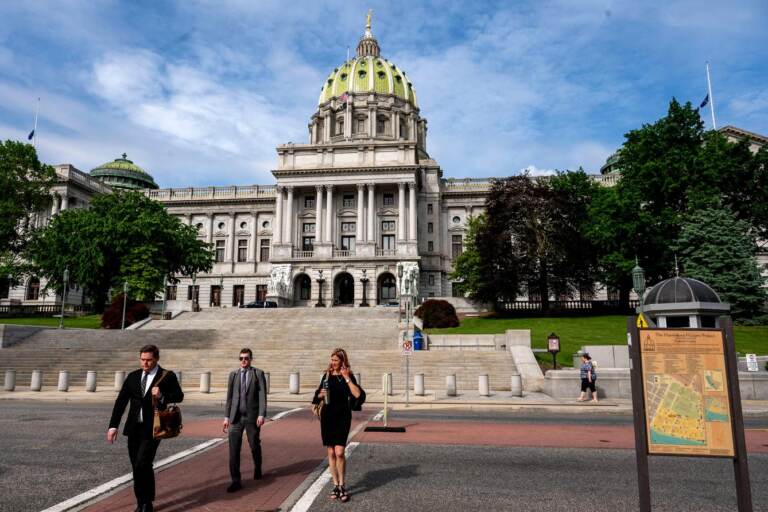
166 423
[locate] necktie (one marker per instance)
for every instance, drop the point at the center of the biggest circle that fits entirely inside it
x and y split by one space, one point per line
243 409
144 384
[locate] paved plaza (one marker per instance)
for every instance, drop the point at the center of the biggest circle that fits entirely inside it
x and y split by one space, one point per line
449 459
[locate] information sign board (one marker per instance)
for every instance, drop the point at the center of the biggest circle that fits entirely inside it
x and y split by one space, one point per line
407 347
752 363
685 389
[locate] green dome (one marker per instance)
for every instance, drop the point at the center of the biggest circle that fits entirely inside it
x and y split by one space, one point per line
367 74
123 173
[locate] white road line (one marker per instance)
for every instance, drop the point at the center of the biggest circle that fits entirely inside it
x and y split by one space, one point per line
286 413
80 499
310 495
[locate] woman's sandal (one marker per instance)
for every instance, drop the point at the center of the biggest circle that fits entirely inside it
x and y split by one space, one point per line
343 494
335 492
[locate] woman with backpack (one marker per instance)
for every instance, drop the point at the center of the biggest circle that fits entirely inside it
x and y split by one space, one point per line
336 397
588 378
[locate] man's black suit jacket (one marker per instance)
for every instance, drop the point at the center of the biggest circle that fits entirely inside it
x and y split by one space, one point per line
130 392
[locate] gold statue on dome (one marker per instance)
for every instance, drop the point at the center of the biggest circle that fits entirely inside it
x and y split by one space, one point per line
368 20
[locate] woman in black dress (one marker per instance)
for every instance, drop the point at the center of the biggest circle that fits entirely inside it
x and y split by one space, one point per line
338 388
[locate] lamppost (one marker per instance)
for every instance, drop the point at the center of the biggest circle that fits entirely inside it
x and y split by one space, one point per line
64 297
320 281
364 280
165 295
221 290
125 302
400 286
638 283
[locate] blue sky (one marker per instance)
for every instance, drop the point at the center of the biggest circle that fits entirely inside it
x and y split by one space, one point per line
200 92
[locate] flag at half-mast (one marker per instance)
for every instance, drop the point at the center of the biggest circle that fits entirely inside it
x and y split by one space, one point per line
704 101
344 98
31 134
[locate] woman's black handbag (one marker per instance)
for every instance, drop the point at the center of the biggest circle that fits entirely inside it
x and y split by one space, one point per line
356 404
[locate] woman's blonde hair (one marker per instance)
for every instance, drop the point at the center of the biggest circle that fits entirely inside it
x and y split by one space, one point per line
341 354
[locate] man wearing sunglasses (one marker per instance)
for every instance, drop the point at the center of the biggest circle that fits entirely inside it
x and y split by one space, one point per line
245 409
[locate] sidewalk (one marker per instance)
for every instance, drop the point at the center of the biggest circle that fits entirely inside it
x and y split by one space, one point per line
469 400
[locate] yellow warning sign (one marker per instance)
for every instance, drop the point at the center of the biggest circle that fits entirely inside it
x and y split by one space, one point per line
641 321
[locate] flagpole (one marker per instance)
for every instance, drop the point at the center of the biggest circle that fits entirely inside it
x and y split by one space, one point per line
711 99
34 130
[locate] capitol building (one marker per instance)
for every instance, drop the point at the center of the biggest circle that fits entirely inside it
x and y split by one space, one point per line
359 204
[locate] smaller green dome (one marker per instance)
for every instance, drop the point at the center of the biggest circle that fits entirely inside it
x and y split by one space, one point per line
123 173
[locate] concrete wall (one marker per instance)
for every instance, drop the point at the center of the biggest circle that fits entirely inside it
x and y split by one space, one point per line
606 356
13 334
615 383
466 341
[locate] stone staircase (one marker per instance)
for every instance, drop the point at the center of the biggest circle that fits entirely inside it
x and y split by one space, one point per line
283 341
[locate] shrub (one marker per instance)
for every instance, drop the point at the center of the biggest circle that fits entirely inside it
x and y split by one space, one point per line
437 313
113 315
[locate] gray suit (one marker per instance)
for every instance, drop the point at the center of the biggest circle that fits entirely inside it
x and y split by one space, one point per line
255 406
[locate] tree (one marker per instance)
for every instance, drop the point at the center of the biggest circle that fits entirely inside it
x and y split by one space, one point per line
25 185
466 267
123 236
717 248
532 239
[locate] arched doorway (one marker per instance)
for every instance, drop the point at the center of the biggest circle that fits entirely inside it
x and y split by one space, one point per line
302 288
344 290
386 289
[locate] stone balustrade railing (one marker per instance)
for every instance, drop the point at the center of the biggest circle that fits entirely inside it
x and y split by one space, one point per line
208 193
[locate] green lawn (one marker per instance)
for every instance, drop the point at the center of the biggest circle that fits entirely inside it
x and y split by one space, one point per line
82 322
595 330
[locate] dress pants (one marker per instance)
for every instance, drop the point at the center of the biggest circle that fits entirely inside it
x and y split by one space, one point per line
236 443
142 453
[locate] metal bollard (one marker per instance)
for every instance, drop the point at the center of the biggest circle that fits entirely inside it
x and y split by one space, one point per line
119 379
359 378
37 380
90 381
293 383
450 385
517 385
482 386
205 382
10 380
178 377
386 384
418 384
266 381
63 380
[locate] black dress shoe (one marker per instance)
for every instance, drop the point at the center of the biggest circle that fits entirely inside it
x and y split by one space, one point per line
257 474
234 487
147 507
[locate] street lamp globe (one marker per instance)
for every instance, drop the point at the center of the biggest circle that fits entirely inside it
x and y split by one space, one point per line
638 280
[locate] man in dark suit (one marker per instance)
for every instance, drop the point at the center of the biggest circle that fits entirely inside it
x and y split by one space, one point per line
245 409
143 389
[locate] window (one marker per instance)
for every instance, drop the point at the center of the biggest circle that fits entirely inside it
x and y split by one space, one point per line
347 227
431 294
5 287
347 243
340 125
219 251
305 287
196 292
199 226
261 292
429 208
456 246
264 250
348 201
430 227
238 295
613 293
243 225
360 125
309 201
388 225
242 250
431 280
388 242
389 199
170 292
307 243
382 125
403 128
33 289
455 290
677 321
308 227
265 224
430 246
456 219
221 225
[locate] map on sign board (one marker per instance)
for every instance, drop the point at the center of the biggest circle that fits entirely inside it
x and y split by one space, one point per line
685 385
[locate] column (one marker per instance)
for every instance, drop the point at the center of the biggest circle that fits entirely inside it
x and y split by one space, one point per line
371 212
189 219
318 214
401 211
329 213
360 221
289 218
210 228
55 205
231 244
412 212
252 241
277 228
64 202
396 125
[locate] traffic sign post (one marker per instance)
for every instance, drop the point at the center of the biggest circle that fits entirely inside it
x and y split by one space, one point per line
752 363
407 352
